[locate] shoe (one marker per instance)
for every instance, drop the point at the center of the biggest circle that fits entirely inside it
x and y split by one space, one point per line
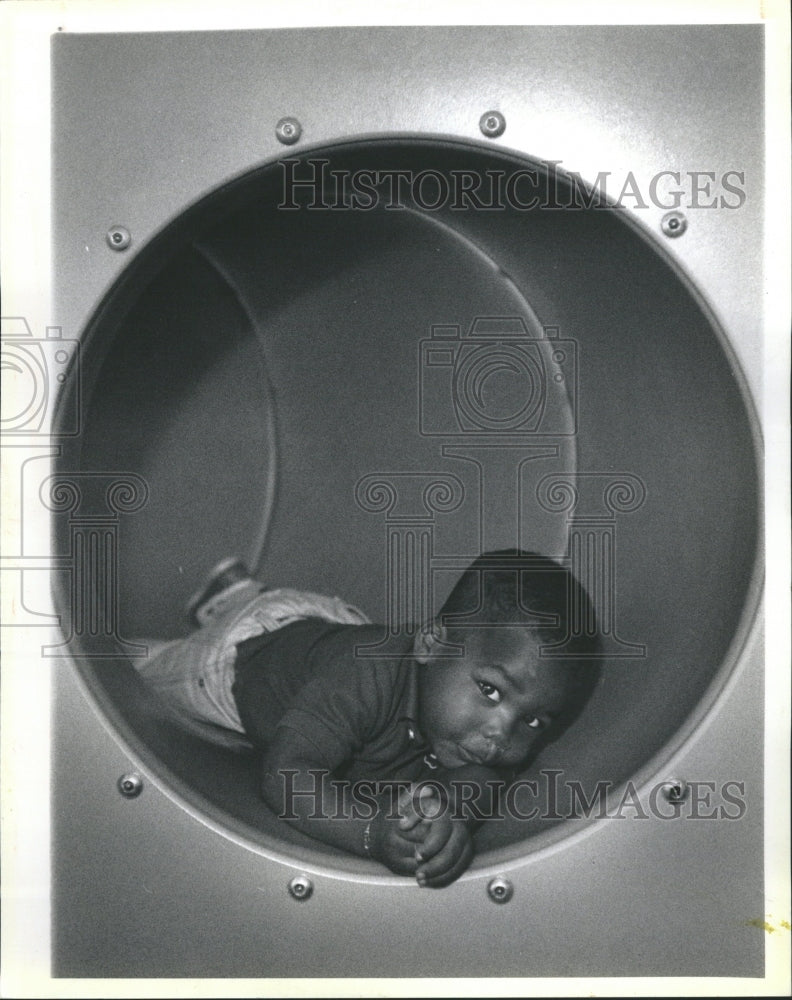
226 574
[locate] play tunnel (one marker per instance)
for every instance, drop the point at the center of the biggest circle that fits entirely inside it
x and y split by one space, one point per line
257 365
318 368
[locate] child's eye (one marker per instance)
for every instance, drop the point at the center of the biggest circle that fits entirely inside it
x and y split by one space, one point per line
534 723
489 691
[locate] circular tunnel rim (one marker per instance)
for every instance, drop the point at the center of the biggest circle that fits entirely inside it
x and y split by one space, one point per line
148 262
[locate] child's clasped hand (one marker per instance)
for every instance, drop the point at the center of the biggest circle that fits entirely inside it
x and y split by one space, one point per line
424 839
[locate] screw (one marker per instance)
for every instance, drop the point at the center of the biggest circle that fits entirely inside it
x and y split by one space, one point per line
301 887
288 131
118 238
492 124
675 790
673 224
130 785
500 890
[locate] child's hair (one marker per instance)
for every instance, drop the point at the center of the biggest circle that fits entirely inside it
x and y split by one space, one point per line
515 587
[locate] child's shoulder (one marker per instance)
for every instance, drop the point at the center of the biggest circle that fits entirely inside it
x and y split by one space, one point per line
365 647
314 647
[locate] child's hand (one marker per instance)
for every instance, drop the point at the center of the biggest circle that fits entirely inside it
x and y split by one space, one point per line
445 853
394 841
417 807
424 841
445 847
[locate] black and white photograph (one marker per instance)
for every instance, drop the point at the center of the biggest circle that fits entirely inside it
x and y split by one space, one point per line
395 479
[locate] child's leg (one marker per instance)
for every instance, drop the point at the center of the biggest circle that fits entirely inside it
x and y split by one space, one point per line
193 676
228 579
228 601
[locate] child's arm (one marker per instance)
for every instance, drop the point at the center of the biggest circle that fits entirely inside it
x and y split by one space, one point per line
299 788
395 829
463 798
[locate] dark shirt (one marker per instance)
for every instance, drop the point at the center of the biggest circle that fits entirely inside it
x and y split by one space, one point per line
303 693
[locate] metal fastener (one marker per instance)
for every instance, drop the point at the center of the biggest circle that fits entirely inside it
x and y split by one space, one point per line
130 785
288 131
301 887
492 124
118 238
675 790
500 890
673 223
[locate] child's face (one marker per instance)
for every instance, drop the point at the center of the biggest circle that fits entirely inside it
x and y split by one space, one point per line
490 705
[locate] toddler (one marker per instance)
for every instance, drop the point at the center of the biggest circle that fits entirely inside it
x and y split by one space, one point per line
350 741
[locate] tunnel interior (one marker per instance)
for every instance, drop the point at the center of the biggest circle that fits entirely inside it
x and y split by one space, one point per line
271 349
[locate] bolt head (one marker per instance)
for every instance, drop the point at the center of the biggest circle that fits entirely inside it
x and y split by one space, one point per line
288 131
130 785
675 790
500 890
118 238
492 124
673 224
301 888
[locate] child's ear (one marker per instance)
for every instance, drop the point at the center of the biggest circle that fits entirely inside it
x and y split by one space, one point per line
429 638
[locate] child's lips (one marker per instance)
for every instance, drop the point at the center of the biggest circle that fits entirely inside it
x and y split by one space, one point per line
488 756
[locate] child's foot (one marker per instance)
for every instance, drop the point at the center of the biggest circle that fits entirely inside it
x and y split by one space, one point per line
227 574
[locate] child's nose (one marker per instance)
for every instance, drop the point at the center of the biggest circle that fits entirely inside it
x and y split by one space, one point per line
500 725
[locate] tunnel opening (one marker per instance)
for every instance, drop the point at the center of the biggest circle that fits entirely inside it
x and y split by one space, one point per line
270 350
